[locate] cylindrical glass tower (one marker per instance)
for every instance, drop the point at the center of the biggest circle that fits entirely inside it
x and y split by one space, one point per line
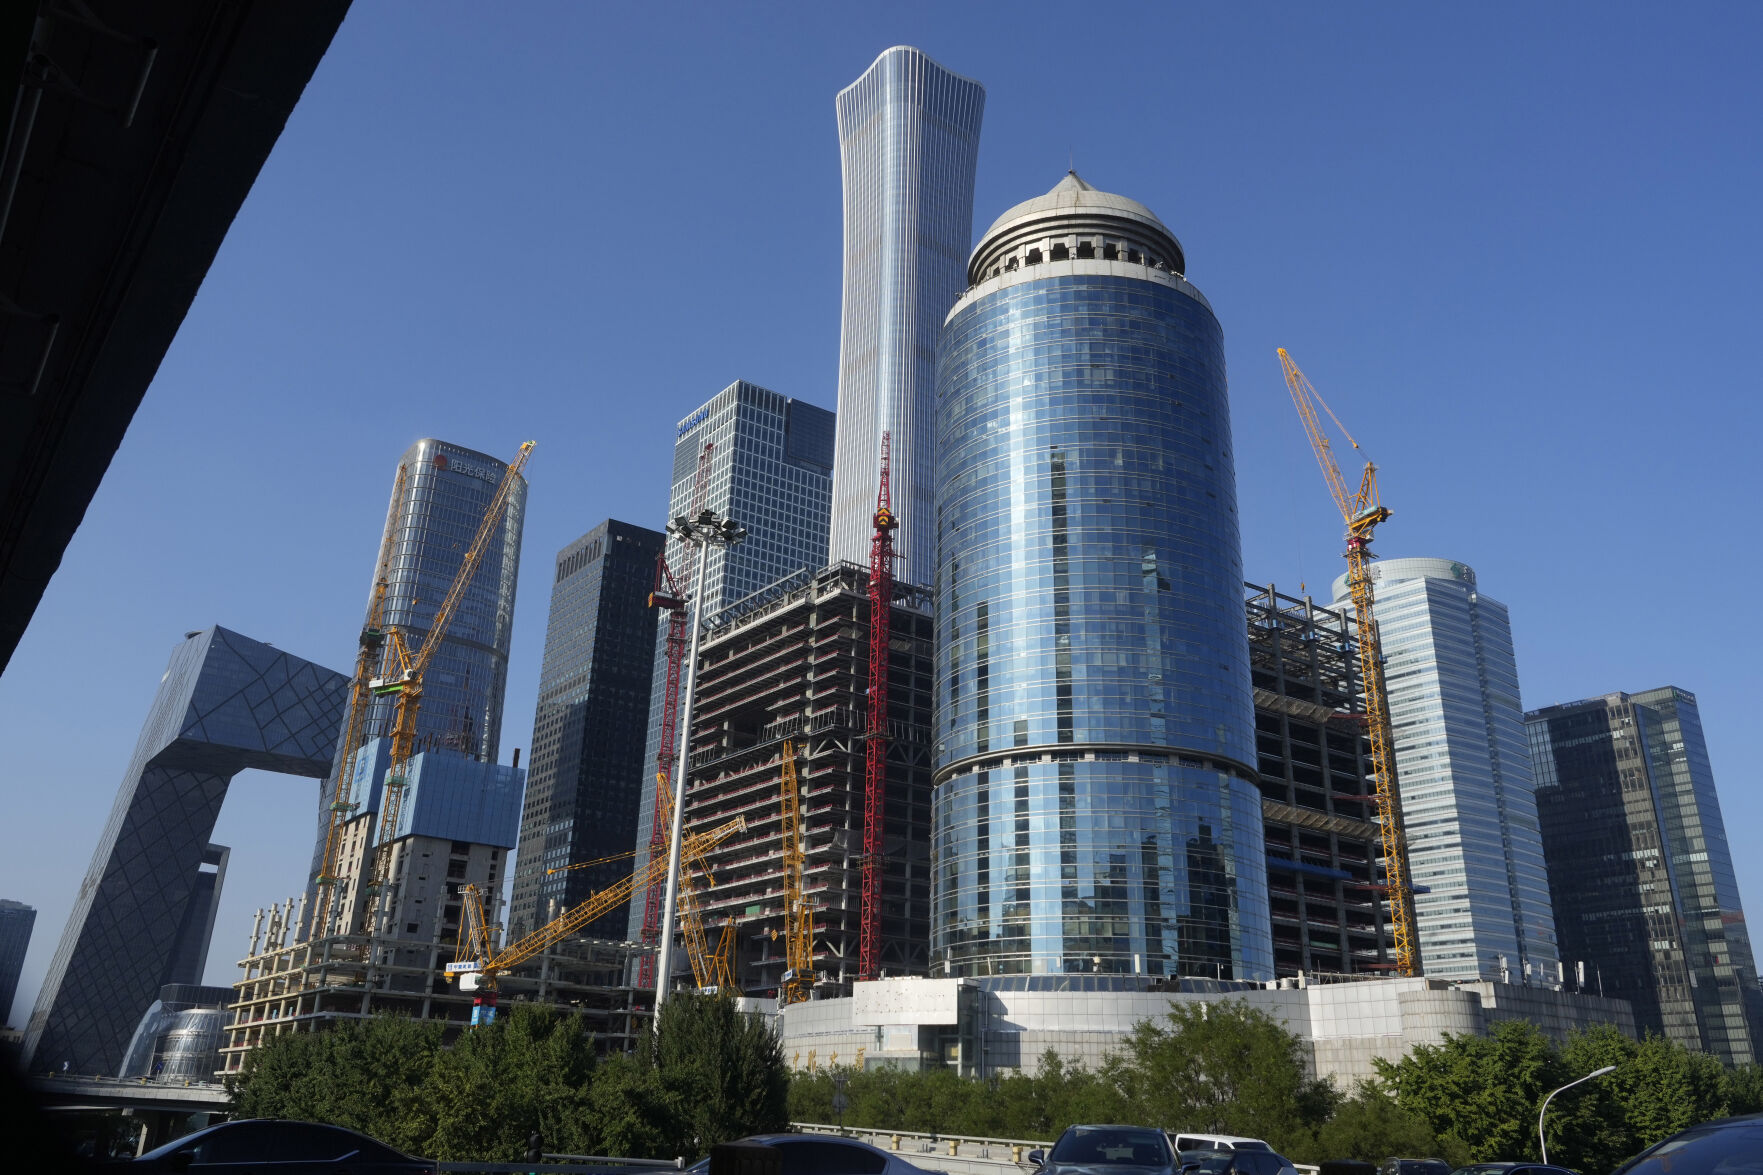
1095 808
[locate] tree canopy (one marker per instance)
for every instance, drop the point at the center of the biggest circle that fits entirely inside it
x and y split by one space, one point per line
708 1075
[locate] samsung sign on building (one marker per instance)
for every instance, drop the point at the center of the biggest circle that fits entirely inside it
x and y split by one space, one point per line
692 421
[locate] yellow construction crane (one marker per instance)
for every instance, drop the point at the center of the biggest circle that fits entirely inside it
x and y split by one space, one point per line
478 964
710 968
798 977
402 678
724 959
368 665
1362 512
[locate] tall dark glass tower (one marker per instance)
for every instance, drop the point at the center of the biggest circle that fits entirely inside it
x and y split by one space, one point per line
16 921
1096 807
586 778
1639 867
769 468
446 489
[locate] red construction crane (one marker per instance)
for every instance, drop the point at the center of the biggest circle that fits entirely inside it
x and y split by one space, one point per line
670 596
875 785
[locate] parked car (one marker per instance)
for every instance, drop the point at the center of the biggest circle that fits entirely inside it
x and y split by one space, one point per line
276 1147
1725 1146
1216 1142
825 1154
1414 1167
1245 1161
1120 1150
1512 1169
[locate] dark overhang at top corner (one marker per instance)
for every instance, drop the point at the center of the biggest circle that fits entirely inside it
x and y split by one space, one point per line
133 130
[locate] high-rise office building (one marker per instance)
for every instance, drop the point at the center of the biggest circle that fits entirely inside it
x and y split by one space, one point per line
439 500
440 493
1640 870
1096 807
586 775
1464 774
768 467
16 921
908 144
145 910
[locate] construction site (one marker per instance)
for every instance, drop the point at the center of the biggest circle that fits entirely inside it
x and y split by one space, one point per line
782 703
289 985
1325 878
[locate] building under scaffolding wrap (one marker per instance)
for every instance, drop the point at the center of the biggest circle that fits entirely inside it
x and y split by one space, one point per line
792 662
313 986
1324 873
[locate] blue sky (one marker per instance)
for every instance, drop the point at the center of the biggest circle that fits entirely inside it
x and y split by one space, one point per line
1515 246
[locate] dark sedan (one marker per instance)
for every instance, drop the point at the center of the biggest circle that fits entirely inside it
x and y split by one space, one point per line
1726 1146
1512 1169
1108 1150
275 1147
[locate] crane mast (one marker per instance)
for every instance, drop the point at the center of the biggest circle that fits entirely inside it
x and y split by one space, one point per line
798 977
670 596
368 665
875 785
406 686
1362 510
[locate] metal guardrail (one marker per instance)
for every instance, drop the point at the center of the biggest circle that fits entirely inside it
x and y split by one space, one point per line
566 1165
968 1152
918 1147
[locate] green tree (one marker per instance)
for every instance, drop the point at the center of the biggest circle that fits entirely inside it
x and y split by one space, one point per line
1659 1087
527 1072
1478 1094
725 1068
634 1112
1744 1089
367 1075
1369 1125
1223 1068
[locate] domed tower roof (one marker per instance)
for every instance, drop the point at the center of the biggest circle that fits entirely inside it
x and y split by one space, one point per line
1073 206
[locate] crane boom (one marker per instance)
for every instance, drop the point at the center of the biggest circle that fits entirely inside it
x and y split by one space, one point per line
1362 511
407 685
556 931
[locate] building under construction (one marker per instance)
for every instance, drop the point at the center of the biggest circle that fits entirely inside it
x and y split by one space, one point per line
1325 876
791 663
313 985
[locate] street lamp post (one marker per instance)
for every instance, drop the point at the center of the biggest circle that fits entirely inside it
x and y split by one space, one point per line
708 529
1540 1139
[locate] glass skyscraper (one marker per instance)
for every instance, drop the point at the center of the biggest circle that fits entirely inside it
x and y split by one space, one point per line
439 496
770 469
1640 868
16 921
1464 774
908 143
145 910
446 490
1096 807
586 774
